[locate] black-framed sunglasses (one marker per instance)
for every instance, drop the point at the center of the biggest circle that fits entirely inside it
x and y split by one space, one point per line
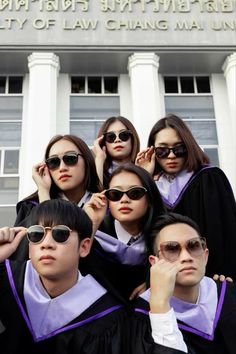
124 135
70 159
134 193
171 250
162 152
37 233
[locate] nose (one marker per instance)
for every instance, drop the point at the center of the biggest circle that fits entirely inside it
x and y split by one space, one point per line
185 256
171 154
124 198
117 138
48 241
62 166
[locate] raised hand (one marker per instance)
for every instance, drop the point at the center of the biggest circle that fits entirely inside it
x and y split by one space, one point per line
146 159
162 283
100 156
43 180
10 238
96 209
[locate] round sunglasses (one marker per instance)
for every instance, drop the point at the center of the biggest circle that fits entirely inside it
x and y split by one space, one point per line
134 193
70 159
124 135
37 233
162 152
171 250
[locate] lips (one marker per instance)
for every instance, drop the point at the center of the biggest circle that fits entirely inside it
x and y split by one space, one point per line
118 147
125 210
187 269
63 177
46 257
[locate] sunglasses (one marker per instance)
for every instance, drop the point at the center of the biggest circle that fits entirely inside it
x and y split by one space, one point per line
124 135
70 159
163 152
37 233
171 250
134 193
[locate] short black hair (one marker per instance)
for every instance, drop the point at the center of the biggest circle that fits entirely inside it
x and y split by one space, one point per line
166 220
63 212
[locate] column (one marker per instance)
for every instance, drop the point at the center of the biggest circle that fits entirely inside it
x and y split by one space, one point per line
145 93
229 68
39 116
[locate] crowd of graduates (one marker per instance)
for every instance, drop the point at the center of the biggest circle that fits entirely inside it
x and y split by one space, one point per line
117 249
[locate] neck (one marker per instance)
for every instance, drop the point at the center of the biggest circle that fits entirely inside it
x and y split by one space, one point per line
122 160
56 287
132 228
187 293
75 195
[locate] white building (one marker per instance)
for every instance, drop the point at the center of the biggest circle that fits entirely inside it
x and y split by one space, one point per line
65 66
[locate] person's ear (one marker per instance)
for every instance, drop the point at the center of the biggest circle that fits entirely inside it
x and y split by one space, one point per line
152 259
84 247
206 253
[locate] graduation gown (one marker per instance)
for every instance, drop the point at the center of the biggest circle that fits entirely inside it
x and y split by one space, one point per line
118 267
208 199
223 338
105 327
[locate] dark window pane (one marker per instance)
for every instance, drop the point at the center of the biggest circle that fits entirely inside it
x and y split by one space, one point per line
171 84
186 83
11 161
111 84
203 84
15 84
78 84
2 84
94 85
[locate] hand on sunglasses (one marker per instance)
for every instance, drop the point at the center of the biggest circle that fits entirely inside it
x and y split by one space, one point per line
162 283
96 209
99 150
10 238
43 180
146 159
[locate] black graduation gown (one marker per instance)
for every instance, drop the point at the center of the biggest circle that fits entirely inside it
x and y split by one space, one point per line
224 341
113 331
120 279
208 199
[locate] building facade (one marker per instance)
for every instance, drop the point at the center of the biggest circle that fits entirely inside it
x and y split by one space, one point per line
67 65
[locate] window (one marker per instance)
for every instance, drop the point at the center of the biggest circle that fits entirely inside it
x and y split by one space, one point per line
11 102
11 84
190 98
187 84
93 100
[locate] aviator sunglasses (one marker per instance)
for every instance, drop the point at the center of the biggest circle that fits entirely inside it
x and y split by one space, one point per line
124 135
134 193
37 233
70 159
162 152
171 250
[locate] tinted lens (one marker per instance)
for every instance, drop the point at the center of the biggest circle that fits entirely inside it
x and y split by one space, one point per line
170 250
196 246
162 152
110 137
114 194
125 135
53 162
70 159
35 233
179 151
60 233
136 193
